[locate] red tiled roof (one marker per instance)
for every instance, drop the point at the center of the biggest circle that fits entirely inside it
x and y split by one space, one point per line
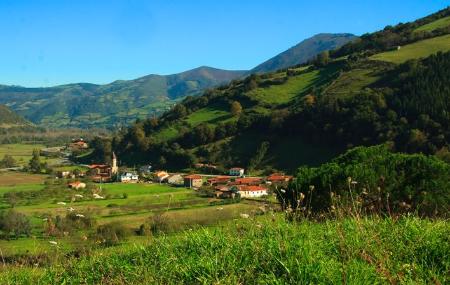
252 188
93 166
275 177
247 180
193 176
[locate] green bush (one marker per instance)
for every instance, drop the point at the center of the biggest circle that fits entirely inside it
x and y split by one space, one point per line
374 177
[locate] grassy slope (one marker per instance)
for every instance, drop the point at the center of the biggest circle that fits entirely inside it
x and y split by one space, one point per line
268 251
416 50
441 23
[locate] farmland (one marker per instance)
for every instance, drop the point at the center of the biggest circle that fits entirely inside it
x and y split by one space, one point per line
130 205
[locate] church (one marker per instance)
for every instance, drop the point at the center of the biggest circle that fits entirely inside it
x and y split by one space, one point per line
104 172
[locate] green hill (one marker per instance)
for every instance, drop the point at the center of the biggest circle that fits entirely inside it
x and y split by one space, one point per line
366 93
118 103
9 119
304 51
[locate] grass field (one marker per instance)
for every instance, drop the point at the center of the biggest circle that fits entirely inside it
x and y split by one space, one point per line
208 115
441 23
182 208
416 50
265 250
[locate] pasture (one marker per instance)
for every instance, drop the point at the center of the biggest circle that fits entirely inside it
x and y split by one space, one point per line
129 205
415 50
441 23
22 152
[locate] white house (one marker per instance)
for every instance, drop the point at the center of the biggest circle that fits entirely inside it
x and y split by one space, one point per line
237 171
176 180
129 177
250 191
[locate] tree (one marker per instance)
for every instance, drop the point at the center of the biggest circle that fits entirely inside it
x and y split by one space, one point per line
236 109
259 156
35 162
8 161
15 223
323 58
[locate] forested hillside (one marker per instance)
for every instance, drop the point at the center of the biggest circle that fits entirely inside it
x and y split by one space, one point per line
307 114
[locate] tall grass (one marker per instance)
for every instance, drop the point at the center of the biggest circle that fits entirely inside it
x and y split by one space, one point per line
268 250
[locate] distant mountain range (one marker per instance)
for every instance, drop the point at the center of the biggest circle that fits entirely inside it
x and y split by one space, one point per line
121 102
304 51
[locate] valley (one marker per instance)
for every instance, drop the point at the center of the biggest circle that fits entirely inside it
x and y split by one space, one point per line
327 164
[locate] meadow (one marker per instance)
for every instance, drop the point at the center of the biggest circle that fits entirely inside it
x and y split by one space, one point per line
129 205
21 152
415 50
265 250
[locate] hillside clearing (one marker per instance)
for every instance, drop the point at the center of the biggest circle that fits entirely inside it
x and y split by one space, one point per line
441 23
416 50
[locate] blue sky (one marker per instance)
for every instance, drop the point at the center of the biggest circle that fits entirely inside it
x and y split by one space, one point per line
46 43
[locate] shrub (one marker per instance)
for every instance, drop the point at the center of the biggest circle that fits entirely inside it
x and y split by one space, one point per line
111 234
15 223
391 182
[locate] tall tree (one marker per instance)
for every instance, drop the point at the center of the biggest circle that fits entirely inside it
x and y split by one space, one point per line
236 108
35 162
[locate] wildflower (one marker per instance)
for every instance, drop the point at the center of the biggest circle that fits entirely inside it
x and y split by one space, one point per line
311 188
79 215
332 194
78 196
302 196
283 191
354 182
349 179
219 209
61 203
52 242
258 226
70 209
245 216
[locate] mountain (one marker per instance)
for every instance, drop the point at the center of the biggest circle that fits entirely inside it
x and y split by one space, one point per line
389 87
9 119
304 51
120 102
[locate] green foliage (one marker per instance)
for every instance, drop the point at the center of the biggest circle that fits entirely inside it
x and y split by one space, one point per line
111 234
8 161
268 251
415 182
35 162
12 222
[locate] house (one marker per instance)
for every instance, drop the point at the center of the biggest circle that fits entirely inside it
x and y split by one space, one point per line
224 192
250 191
104 172
278 178
160 176
176 180
129 177
145 169
193 181
247 181
205 166
63 174
78 144
77 185
218 180
237 171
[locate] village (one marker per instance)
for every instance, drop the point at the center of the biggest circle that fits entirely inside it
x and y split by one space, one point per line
233 184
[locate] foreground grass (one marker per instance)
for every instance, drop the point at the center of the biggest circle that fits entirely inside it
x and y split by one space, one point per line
267 250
